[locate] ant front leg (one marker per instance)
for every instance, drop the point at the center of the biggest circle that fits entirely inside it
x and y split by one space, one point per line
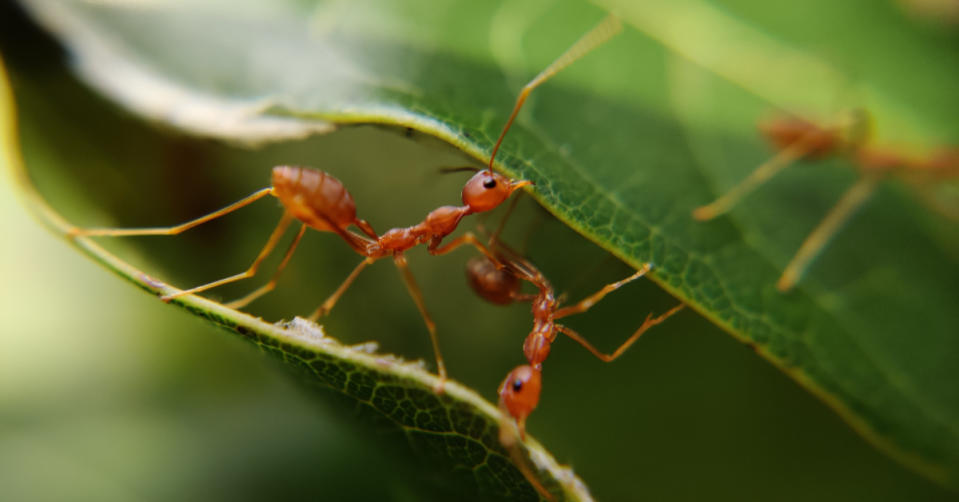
648 323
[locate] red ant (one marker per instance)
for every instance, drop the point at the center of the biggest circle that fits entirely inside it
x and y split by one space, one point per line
320 201
798 139
500 282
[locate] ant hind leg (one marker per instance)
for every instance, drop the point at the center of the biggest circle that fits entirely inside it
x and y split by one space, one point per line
281 227
648 323
173 230
269 286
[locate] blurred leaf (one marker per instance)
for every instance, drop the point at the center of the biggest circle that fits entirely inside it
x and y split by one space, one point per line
871 330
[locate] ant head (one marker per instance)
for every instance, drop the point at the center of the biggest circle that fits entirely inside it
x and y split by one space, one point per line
486 190
519 393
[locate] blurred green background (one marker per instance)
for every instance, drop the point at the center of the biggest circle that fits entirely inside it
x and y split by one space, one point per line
109 394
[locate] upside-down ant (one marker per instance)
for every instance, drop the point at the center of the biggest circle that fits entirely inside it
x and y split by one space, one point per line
500 283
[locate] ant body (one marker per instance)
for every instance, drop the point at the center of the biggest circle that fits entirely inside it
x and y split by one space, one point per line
500 282
320 201
798 139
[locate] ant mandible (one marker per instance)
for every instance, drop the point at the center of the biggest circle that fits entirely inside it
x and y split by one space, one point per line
320 201
798 139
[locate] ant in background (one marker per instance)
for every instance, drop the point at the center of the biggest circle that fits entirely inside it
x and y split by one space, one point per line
320 201
799 139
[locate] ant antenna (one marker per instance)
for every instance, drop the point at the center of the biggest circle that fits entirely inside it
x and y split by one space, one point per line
458 169
594 38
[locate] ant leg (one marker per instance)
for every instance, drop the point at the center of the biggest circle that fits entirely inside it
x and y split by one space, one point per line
467 238
417 295
592 39
494 237
266 288
817 240
508 252
648 323
366 228
331 301
176 229
760 175
281 227
591 300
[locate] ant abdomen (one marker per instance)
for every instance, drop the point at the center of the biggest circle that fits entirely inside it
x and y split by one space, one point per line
314 197
493 284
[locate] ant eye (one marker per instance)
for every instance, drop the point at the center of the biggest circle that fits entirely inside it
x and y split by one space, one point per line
490 183
517 385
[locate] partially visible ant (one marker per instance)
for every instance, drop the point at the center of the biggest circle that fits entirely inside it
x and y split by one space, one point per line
320 201
799 139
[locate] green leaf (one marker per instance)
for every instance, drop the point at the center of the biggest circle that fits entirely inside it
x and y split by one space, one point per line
622 146
457 426
457 430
